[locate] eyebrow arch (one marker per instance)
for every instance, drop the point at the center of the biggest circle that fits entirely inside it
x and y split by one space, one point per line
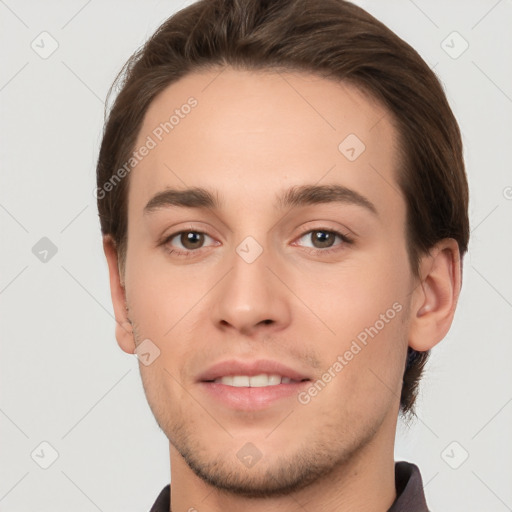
196 197
316 194
304 195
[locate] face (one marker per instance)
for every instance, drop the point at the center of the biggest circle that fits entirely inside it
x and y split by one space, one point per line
276 298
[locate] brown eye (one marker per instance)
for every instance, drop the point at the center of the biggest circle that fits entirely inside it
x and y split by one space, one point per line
322 239
187 243
191 239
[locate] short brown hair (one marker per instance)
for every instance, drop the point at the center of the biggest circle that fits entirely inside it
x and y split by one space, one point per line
336 40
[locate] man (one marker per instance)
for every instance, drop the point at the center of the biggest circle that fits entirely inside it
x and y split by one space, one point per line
283 201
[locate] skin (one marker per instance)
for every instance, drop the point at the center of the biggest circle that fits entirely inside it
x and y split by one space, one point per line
251 137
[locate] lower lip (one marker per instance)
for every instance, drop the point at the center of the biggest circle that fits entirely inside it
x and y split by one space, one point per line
250 399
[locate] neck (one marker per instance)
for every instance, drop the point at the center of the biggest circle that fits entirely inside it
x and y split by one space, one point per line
365 483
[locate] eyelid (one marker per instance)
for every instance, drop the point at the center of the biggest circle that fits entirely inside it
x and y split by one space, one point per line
185 228
323 225
346 239
167 238
326 225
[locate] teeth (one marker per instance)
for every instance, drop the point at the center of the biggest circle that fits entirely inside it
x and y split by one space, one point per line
255 381
240 381
270 380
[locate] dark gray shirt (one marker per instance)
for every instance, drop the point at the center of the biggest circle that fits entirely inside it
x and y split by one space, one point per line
409 490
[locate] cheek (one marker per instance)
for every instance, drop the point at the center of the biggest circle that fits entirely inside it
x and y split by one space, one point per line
352 296
158 295
367 369
363 312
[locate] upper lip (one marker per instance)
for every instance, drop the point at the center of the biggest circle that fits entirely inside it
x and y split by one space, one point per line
250 368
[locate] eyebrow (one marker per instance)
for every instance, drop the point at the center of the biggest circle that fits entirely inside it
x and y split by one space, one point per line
297 196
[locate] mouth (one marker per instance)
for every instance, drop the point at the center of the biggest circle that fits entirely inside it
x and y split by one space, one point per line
252 385
254 381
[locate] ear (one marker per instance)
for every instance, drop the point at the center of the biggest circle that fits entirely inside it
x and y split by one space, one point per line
124 332
435 298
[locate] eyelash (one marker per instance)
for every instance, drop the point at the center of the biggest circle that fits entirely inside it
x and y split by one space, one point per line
346 239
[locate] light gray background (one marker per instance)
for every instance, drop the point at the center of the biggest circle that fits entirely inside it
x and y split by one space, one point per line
63 378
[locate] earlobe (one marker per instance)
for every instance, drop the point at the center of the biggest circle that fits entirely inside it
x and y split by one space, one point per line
124 331
435 298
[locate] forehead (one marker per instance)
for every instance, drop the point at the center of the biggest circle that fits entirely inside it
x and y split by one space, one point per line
251 132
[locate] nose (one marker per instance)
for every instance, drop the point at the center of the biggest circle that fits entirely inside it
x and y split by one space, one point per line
252 297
